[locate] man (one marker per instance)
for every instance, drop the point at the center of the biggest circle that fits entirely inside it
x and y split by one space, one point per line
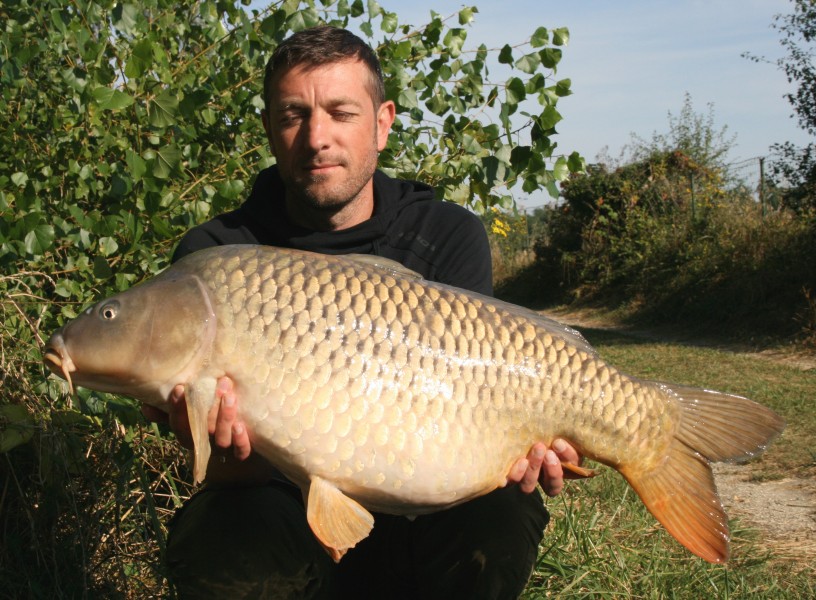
245 534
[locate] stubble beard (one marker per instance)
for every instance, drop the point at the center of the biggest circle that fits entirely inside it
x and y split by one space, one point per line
312 193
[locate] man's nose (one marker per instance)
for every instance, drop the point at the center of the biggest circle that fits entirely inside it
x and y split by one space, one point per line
317 131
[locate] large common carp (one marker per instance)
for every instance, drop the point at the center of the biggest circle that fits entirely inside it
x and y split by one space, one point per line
373 389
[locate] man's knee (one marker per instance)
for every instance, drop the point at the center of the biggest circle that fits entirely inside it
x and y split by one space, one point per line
251 542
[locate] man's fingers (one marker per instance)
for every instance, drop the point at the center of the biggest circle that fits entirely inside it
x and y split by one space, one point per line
517 471
227 413
240 441
531 475
566 454
552 475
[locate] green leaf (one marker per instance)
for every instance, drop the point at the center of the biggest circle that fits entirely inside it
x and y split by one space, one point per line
561 169
548 118
389 22
17 426
529 62
141 57
374 9
136 164
576 163
126 17
466 15
111 99
101 268
108 246
550 57
506 55
39 240
402 50
563 88
514 88
561 36
540 38
19 179
167 161
494 169
162 110
357 8
470 144
408 98
455 40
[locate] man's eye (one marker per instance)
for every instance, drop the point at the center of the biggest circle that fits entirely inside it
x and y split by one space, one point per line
342 115
291 119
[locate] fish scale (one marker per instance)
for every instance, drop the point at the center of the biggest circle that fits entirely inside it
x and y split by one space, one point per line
373 389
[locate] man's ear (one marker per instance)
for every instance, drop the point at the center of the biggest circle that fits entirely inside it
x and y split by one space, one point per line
385 118
268 129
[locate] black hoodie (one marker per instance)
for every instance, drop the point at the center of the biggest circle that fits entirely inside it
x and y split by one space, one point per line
440 240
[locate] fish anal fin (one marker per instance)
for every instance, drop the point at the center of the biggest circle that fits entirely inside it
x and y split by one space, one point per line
577 471
682 495
338 522
199 398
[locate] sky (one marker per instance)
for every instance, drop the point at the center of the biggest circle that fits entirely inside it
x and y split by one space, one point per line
631 63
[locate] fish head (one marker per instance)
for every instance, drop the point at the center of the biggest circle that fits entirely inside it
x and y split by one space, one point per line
139 343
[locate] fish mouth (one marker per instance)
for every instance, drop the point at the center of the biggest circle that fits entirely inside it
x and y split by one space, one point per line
56 358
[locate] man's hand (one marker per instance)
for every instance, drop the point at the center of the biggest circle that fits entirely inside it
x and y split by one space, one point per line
222 421
543 465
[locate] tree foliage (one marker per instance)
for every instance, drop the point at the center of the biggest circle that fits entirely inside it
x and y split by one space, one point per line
691 133
125 123
795 167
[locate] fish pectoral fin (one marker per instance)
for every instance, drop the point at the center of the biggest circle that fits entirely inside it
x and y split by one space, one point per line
338 522
578 471
199 398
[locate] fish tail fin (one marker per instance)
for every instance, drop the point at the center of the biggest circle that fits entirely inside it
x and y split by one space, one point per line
681 492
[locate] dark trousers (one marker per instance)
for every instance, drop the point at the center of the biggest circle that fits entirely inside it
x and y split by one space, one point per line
254 542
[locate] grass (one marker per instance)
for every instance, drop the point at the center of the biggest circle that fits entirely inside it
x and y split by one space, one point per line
602 543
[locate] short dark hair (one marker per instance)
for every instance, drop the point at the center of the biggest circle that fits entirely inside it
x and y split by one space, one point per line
324 45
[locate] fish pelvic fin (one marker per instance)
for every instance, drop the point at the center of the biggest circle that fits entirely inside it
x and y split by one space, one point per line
681 492
338 522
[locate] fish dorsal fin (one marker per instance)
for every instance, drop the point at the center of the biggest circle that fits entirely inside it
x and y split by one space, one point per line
386 264
571 336
338 522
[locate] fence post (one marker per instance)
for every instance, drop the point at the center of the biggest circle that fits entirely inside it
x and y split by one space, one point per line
762 184
693 202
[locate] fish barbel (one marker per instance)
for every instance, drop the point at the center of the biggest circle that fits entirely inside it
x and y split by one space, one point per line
373 389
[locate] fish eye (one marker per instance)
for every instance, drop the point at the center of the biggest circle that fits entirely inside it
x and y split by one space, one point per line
109 310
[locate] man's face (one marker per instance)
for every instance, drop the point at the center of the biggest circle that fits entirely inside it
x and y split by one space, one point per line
326 133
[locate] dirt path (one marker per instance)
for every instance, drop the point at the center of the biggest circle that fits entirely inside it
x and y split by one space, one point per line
783 511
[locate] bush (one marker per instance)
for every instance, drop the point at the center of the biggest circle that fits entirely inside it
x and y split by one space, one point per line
668 242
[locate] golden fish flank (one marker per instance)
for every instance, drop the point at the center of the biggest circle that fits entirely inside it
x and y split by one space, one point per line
373 389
